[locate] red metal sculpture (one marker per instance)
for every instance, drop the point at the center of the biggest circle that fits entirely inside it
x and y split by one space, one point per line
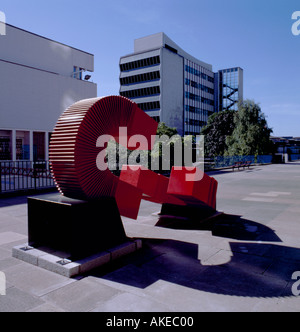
75 148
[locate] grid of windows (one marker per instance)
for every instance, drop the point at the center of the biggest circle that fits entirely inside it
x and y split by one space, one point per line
198 73
203 100
198 105
153 105
196 110
230 70
199 86
194 122
147 77
139 93
195 119
153 61
230 86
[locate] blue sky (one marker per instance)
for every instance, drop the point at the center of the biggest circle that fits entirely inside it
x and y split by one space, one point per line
253 34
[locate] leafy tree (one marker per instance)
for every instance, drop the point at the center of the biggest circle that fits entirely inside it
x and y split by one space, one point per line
219 126
162 156
163 129
251 134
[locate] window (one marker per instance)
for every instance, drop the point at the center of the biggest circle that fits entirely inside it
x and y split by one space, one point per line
198 73
139 93
80 73
203 100
22 145
75 70
5 145
147 77
153 61
154 105
199 86
5 148
156 118
38 146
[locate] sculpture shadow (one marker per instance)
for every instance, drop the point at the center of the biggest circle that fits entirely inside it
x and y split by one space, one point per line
224 225
249 269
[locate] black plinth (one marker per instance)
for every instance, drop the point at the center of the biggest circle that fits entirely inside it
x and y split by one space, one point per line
77 227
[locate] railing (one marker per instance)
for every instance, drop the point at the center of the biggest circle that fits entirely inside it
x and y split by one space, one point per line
24 176
229 161
294 157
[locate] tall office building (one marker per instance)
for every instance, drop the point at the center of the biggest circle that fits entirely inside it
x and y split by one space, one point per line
169 84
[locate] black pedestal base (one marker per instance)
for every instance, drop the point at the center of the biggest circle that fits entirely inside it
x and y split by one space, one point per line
77 227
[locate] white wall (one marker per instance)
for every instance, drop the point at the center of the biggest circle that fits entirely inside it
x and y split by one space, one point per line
32 50
172 90
33 99
36 84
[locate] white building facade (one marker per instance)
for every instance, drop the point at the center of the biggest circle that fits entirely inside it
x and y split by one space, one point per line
169 84
39 79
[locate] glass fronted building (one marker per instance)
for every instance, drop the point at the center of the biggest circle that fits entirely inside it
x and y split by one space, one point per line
230 88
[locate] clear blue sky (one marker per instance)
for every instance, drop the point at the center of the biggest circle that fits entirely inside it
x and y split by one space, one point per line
253 34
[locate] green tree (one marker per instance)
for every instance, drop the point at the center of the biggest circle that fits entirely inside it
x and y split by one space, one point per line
163 129
162 156
219 126
251 134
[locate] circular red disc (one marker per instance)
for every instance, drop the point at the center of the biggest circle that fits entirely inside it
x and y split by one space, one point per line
73 150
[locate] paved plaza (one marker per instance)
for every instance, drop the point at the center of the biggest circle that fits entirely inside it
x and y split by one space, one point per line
242 261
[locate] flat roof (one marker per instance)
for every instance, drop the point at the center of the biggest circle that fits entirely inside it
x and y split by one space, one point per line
52 40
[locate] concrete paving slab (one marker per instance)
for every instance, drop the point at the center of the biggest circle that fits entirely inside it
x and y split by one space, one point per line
81 296
243 261
8 237
34 280
17 300
128 302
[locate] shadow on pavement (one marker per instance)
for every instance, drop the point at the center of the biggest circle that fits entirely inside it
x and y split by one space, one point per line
225 225
248 269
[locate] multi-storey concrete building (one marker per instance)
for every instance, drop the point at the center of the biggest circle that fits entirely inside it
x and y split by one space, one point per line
169 84
39 79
